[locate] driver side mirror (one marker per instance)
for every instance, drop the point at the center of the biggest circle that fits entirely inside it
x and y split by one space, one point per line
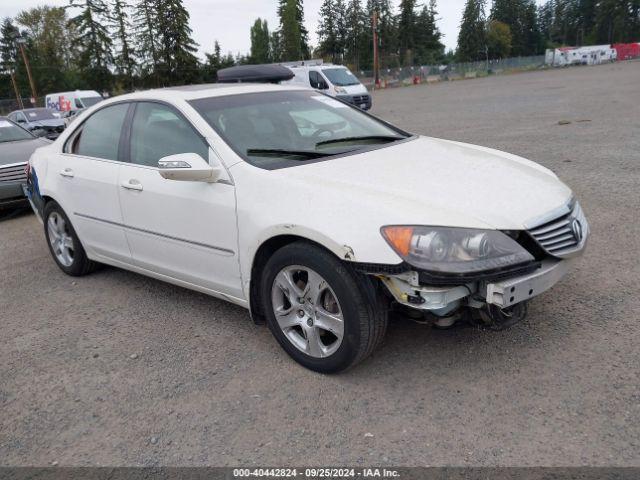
322 85
20 120
188 167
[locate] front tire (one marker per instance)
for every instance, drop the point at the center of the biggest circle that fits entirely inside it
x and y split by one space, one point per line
324 315
63 242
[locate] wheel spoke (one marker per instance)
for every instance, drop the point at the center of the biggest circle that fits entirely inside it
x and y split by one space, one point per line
287 319
315 285
331 322
314 344
288 286
67 242
53 228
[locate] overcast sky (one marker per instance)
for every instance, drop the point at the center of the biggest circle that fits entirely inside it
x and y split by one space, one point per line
228 21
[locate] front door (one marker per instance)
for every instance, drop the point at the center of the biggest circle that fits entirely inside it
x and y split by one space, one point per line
185 230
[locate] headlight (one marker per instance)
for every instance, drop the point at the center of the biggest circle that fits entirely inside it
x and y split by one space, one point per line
454 250
341 90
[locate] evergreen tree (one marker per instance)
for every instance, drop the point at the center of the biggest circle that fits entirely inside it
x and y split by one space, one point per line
146 37
8 50
387 32
93 42
177 62
124 56
293 37
407 30
328 31
355 41
260 51
471 39
429 48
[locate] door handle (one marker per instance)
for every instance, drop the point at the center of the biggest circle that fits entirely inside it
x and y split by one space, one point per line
67 172
132 185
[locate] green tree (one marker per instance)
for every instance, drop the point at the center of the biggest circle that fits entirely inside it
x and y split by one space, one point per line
93 42
498 39
260 38
177 61
124 55
429 48
329 35
407 30
471 39
355 41
8 50
293 37
387 33
146 38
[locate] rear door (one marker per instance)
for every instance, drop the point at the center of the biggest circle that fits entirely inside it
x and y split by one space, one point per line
85 179
185 230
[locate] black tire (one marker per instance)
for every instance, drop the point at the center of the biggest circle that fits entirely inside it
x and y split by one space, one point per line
80 265
361 302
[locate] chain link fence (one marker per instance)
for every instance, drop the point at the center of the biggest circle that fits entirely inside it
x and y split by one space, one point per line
395 77
8 105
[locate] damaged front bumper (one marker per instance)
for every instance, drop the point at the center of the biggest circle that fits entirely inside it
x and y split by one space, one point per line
505 293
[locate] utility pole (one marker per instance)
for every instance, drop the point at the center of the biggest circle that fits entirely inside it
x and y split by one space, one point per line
376 64
15 88
34 96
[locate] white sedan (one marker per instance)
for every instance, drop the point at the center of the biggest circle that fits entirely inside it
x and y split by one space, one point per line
317 217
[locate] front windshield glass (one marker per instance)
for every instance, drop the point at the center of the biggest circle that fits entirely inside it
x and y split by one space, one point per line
90 101
281 129
11 133
41 114
340 77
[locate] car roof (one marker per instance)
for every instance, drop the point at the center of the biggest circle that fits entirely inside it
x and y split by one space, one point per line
193 92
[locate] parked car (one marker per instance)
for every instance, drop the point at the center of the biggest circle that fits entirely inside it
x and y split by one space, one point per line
335 80
16 146
70 101
311 213
40 121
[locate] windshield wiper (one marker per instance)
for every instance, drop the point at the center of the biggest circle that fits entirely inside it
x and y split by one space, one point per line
384 138
275 152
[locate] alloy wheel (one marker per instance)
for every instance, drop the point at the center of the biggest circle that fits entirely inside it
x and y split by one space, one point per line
307 311
60 240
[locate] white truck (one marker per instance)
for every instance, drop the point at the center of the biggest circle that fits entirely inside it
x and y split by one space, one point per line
334 80
72 101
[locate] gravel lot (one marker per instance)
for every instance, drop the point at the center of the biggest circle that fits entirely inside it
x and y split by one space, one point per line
118 369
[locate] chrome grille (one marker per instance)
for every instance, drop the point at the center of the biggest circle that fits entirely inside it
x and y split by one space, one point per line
564 234
13 173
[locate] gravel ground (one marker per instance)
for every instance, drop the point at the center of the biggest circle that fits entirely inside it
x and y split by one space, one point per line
118 369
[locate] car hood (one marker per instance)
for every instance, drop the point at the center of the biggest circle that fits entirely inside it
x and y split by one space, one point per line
20 151
437 182
53 122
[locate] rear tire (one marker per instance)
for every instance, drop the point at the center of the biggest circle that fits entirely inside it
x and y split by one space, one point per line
63 242
326 316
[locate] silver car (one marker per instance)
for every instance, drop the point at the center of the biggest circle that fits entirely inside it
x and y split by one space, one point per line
42 122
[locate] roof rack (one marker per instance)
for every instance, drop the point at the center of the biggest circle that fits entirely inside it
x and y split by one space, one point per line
255 74
304 63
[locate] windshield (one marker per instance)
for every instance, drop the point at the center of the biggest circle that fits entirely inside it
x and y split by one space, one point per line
90 101
41 114
11 133
340 77
280 129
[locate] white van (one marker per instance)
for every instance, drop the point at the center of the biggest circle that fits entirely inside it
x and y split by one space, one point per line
334 80
72 101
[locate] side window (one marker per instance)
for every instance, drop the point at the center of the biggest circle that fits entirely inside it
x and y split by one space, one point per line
99 136
158 131
78 103
314 79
